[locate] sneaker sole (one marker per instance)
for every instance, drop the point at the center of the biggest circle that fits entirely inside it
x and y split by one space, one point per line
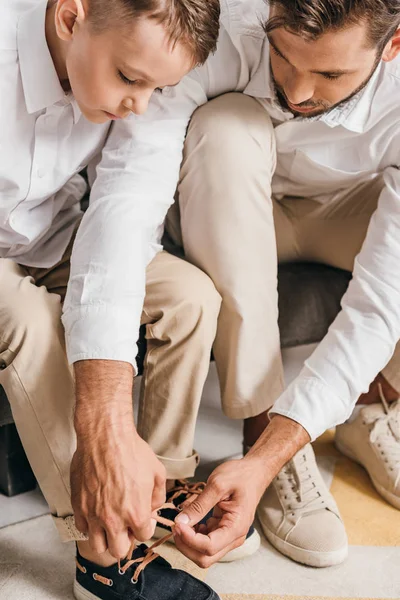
81 594
310 558
388 496
248 548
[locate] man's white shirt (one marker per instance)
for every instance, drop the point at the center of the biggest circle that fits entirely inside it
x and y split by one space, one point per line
44 141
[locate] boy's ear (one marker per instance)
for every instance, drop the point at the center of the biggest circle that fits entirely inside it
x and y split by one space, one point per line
68 14
392 48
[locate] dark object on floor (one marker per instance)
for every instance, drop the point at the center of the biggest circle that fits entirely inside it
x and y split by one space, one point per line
309 300
15 472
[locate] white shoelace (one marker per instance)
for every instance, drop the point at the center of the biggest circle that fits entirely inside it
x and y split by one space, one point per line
298 487
385 434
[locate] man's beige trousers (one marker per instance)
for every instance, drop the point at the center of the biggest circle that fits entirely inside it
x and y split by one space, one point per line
232 227
180 310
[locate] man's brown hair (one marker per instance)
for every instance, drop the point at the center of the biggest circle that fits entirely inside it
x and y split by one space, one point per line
194 23
313 18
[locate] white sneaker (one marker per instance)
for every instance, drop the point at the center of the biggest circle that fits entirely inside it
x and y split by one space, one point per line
372 439
299 516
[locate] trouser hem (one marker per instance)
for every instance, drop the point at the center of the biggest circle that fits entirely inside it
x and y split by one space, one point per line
67 529
180 468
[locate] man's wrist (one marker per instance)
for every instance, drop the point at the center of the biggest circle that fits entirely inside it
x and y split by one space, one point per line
280 441
104 395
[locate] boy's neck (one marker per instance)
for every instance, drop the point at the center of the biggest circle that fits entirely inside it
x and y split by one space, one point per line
57 47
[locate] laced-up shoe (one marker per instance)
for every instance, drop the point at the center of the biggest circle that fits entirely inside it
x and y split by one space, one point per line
143 575
299 516
372 439
185 491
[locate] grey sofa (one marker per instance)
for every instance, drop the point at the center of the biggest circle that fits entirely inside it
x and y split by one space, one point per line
309 300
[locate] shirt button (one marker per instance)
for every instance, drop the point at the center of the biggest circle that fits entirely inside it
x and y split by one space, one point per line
40 173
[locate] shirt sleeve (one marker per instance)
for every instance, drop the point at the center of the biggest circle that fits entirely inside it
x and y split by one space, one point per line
120 232
363 337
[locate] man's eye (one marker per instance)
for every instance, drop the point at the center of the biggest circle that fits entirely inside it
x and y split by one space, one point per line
275 51
125 79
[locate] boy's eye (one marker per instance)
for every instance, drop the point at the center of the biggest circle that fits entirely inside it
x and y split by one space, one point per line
331 77
126 80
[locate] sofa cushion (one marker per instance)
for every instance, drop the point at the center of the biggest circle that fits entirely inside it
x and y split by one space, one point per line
309 300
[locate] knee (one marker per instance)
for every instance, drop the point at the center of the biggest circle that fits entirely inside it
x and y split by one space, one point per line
228 119
26 311
197 301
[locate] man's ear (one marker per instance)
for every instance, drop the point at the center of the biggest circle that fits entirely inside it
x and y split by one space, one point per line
68 14
392 48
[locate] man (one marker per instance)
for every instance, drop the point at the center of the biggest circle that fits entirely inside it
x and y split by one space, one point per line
312 161
327 111
66 75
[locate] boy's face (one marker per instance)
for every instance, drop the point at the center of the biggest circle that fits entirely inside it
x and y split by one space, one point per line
115 72
311 77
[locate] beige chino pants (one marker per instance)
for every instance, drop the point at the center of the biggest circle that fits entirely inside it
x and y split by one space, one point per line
180 310
232 227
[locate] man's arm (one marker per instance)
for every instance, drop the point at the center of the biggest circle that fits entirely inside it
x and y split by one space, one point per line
363 337
116 480
358 345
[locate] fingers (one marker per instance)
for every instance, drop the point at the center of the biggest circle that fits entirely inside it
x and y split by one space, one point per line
143 527
97 538
199 507
187 541
159 496
80 523
118 543
216 540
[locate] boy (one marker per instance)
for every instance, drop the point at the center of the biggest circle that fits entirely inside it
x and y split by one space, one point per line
68 73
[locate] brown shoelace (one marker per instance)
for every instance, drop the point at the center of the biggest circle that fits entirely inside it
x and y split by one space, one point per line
191 490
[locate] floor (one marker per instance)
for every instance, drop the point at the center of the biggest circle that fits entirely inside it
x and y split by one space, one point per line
34 565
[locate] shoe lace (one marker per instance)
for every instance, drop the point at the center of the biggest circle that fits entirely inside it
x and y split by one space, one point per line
191 490
298 486
385 433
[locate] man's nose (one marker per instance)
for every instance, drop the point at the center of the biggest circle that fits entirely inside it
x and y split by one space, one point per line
299 89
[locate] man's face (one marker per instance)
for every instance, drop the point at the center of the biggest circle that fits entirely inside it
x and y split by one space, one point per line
312 77
116 72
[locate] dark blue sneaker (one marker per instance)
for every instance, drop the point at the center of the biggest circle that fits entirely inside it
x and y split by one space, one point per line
184 490
142 576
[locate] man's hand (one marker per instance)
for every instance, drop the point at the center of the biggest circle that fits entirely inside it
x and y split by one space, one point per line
234 490
116 479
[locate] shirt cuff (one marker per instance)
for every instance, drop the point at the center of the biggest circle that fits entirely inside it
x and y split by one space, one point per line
102 333
313 405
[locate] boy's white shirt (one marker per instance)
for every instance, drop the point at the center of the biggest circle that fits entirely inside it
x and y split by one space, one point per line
136 181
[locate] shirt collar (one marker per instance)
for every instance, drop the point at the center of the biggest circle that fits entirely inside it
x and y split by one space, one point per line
260 84
354 114
40 81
